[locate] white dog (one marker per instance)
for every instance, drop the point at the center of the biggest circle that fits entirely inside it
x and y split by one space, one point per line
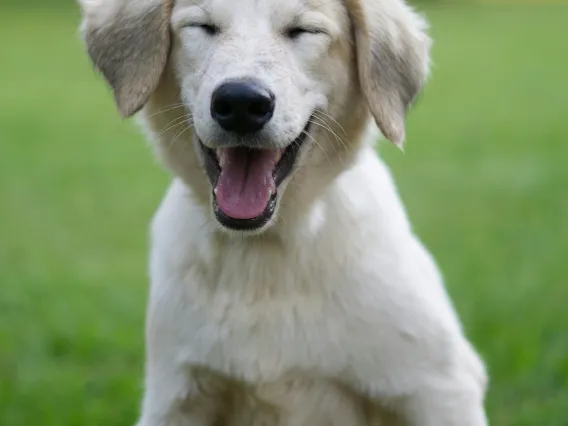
287 287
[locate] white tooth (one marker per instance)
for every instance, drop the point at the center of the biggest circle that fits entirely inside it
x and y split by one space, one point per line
278 155
215 191
221 157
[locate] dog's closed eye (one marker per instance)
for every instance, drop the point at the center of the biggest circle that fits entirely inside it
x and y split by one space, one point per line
209 29
296 32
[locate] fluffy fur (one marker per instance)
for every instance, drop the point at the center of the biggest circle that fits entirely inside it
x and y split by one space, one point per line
333 313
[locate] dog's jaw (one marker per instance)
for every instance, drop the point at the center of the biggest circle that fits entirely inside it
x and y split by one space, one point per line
246 181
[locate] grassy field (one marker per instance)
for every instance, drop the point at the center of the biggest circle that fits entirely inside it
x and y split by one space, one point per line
485 179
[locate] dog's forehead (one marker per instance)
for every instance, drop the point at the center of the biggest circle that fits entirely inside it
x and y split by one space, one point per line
259 8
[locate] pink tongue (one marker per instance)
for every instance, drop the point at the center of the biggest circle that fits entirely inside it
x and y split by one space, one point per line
245 183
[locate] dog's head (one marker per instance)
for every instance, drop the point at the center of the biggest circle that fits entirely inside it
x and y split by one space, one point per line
266 91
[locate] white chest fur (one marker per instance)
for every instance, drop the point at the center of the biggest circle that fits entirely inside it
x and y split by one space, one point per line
352 297
315 323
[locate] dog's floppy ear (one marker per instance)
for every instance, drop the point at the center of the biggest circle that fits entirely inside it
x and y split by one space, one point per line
393 56
128 42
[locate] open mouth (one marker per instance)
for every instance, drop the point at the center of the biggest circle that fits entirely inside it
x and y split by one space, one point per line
245 181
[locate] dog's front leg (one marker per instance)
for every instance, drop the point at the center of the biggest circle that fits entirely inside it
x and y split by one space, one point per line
451 399
172 398
439 405
172 394
455 403
431 385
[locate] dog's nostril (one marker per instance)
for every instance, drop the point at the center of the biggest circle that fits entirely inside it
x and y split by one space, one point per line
242 106
223 108
260 108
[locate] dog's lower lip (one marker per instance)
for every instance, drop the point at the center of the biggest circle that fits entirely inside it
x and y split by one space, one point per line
246 224
280 172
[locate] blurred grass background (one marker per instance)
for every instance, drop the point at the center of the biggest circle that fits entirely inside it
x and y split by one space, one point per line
484 177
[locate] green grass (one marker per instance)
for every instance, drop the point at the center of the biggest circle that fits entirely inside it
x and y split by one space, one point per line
484 178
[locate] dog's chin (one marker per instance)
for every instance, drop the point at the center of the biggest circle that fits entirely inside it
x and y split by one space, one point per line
246 181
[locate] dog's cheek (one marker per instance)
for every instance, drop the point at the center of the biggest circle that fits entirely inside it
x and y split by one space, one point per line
335 79
184 67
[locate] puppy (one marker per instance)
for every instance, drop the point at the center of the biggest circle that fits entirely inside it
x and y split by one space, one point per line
287 287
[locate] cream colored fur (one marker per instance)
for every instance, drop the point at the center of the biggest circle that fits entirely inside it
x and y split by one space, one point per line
334 313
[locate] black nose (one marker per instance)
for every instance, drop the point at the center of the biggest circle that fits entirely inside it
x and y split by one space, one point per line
242 106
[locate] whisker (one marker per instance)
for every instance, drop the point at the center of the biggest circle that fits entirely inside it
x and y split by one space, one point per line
323 124
318 111
166 109
337 137
179 134
340 139
326 127
279 216
320 147
172 124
